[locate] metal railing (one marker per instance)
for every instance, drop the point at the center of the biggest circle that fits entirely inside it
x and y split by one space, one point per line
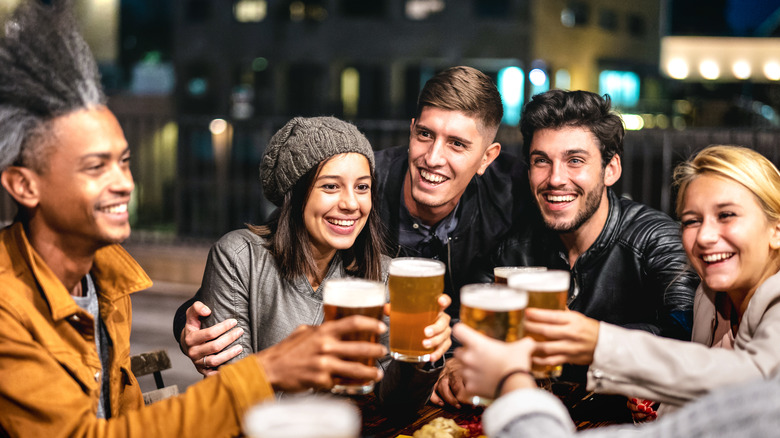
195 184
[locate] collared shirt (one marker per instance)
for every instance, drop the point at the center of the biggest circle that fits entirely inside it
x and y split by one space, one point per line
424 240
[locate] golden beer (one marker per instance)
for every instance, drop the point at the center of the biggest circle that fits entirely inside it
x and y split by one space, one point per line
494 310
343 297
415 286
546 290
502 273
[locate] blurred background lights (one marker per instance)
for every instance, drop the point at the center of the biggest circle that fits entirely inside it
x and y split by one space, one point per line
537 77
772 70
677 68
259 64
709 69
197 86
217 126
250 11
633 122
741 69
563 79
510 86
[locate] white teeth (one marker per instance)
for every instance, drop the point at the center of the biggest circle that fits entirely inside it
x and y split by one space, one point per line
342 222
431 177
560 198
115 209
712 258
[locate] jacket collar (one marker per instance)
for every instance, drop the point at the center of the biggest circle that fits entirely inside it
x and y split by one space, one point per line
114 271
607 235
394 180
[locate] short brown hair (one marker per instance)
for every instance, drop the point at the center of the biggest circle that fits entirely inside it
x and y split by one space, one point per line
464 89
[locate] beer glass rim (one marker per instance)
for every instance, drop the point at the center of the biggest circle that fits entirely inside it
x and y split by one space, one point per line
551 280
417 269
360 292
339 413
521 268
500 303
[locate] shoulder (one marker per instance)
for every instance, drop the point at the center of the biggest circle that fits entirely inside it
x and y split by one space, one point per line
639 222
241 244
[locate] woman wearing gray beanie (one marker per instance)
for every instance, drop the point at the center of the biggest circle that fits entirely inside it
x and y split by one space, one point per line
319 171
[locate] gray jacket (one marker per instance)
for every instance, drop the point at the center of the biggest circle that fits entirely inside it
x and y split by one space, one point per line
638 364
242 281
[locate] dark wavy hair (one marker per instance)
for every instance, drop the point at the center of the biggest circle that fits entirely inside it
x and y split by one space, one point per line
556 109
289 241
46 71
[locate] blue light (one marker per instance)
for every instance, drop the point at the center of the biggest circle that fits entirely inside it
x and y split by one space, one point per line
510 86
622 87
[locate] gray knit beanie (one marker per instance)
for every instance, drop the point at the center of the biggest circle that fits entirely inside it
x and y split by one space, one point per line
302 144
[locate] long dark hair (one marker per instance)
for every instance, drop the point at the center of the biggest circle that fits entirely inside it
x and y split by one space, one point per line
288 240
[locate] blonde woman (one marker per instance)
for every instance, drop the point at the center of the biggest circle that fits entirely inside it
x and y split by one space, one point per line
729 207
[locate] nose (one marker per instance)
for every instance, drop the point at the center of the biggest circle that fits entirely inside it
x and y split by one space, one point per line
348 200
434 157
707 234
558 174
122 179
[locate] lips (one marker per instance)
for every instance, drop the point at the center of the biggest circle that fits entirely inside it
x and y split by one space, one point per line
717 257
432 178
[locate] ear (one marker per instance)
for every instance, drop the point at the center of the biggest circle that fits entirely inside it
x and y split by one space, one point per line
613 171
774 237
21 184
411 126
490 154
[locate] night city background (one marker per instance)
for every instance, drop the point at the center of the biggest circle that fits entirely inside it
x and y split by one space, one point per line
199 87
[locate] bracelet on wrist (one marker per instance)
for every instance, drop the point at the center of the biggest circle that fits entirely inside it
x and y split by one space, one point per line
506 377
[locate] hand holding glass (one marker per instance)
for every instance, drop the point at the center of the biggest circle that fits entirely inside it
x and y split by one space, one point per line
415 286
343 297
546 290
493 310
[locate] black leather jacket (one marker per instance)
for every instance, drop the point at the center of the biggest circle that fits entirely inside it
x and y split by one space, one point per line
634 275
485 215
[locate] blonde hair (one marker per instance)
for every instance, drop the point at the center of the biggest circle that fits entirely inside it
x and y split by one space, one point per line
742 165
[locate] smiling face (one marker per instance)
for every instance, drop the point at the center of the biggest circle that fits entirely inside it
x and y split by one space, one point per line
568 181
338 205
446 149
82 194
727 236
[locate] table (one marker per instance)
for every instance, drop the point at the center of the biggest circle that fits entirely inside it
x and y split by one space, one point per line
588 410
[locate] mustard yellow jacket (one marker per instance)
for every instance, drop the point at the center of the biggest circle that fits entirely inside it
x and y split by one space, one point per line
49 366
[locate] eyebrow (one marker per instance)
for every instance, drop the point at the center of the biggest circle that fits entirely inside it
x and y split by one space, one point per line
420 126
103 155
567 152
340 176
719 206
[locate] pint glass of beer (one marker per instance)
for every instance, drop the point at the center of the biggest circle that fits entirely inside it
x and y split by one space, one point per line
546 290
493 310
343 297
502 273
415 286
309 416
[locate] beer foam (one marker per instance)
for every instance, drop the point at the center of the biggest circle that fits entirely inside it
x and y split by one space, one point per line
546 281
353 292
495 299
415 267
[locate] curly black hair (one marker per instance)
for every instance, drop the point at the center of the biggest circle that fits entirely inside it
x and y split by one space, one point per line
46 71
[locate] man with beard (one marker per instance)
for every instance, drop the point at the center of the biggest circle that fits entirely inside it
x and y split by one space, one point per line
627 263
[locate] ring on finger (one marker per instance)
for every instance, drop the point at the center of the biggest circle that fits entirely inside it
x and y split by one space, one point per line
204 362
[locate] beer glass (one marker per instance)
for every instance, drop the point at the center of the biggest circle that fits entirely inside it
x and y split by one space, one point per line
303 417
415 286
343 297
502 273
546 290
494 310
